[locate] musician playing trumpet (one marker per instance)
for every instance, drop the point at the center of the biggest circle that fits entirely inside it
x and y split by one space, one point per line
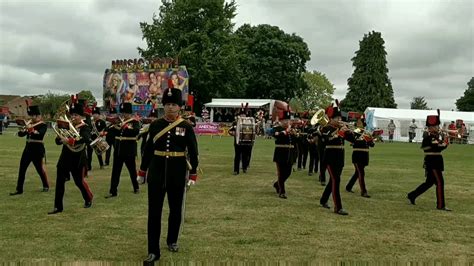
112 130
73 158
360 157
333 135
125 150
433 144
285 151
34 151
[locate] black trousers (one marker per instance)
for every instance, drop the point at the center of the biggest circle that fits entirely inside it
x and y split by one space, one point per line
90 152
333 187
433 177
109 151
322 165
78 176
242 153
117 170
302 155
359 173
283 171
313 159
156 196
26 158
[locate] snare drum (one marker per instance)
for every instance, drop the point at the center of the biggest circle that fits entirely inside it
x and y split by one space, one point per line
100 145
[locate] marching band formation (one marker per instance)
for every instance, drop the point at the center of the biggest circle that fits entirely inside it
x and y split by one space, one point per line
169 154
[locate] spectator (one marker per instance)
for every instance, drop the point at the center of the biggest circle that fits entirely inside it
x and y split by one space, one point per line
411 131
391 130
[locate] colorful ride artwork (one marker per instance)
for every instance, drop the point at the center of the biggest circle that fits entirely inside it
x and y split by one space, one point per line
142 82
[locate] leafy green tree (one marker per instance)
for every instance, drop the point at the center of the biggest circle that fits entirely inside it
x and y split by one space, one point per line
199 34
369 84
419 103
272 62
87 95
318 93
466 102
50 103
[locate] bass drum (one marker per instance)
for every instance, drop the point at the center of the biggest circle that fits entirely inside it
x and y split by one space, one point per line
245 131
99 145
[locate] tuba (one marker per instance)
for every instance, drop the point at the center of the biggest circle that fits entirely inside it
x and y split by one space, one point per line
319 118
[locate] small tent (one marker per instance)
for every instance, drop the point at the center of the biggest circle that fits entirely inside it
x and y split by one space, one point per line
380 117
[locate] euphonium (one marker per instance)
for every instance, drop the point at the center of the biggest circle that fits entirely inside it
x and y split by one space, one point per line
63 127
319 117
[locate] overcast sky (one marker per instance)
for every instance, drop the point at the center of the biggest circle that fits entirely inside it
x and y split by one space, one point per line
65 45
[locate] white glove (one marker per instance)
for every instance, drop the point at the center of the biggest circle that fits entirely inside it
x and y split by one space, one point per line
192 180
141 177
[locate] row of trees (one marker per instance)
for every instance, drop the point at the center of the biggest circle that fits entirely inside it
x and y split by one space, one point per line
50 103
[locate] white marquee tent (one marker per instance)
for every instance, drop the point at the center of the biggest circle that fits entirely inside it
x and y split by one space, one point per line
380 117
236 103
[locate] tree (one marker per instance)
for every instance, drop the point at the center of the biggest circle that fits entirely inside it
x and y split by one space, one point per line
318 92
199 34
87 95
419 103
466 102
369 84
272 62
50 103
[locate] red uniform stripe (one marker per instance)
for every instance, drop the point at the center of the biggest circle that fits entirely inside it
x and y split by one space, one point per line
333 188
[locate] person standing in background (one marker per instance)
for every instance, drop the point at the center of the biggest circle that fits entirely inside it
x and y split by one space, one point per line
391 130
411 131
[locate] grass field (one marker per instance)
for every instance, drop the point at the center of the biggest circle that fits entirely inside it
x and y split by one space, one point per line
240 218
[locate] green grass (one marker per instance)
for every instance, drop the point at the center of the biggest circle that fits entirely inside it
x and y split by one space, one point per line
240 218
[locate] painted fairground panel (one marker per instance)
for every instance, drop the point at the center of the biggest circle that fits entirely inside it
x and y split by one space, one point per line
142 82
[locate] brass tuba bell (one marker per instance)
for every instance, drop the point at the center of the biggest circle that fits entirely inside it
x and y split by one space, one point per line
319 117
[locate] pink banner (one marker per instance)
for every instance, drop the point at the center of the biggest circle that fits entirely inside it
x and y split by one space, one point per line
207 128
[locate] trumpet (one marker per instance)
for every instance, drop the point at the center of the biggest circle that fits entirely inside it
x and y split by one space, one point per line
23 124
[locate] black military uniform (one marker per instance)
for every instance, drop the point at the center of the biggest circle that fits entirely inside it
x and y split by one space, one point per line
88 120
284 154
73 161
333 137
360 159
321 144
111 131
34 151
243 150
125 151
433 144
312 139
100 126
145 127
165 162
303 145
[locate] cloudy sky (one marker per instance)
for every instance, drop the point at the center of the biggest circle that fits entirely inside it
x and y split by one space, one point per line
65 45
